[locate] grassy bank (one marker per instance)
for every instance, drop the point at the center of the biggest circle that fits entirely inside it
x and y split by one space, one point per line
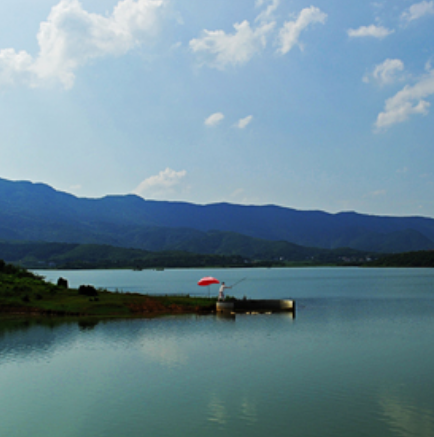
24 293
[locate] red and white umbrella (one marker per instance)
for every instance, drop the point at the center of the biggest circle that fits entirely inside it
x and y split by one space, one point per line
207 281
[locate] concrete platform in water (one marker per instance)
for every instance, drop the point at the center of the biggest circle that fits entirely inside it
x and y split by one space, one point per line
256 306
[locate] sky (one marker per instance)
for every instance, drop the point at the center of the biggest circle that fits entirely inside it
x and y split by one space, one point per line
312 105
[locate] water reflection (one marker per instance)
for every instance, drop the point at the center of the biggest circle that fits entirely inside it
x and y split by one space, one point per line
237 409
206 375
168 353
249 411
11 324
217 410
87 324
232 317
36 338
405 419
225 317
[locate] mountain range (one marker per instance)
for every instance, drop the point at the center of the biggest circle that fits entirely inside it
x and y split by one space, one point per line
37 212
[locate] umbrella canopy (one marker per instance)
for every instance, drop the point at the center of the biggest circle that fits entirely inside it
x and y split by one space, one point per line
208 280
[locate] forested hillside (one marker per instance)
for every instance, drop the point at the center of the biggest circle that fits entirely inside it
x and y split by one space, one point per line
233 254
409 259
37 212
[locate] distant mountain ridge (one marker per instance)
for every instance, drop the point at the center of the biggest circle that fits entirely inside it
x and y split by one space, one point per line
37 212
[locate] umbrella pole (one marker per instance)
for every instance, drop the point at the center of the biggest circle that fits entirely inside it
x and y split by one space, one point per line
208 292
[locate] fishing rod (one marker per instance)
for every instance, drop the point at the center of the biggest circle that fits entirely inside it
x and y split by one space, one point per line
236 283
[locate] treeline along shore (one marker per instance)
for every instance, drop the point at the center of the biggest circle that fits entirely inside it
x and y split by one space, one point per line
26 294
257 253
65 256
423 258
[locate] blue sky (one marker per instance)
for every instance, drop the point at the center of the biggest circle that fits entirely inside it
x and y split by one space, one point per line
311 105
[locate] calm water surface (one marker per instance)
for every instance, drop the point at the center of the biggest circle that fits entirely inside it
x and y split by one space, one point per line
357 360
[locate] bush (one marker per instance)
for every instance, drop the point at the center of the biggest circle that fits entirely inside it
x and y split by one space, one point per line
62 282
230 299
87 290
21 288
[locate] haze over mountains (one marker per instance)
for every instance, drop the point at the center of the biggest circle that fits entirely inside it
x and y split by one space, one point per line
37 212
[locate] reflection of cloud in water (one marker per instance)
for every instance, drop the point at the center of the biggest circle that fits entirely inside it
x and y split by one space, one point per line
405 419
217 411
167 353
248 411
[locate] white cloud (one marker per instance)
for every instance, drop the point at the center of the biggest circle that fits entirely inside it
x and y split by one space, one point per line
15 65
244 122
238 192
408 101
237 48
418 10
71 37
214 119
372 31
386 72
290 32
378 193
266 14
161 183
232 49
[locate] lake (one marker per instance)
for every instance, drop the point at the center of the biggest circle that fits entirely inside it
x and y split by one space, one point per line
357 360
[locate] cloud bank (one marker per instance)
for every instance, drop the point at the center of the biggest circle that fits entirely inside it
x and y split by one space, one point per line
71 37
232 49
221 49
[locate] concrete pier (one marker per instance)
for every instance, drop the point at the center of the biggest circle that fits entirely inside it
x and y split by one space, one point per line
257 306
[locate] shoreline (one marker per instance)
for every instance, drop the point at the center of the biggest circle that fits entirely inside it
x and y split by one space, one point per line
69 303
25 293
